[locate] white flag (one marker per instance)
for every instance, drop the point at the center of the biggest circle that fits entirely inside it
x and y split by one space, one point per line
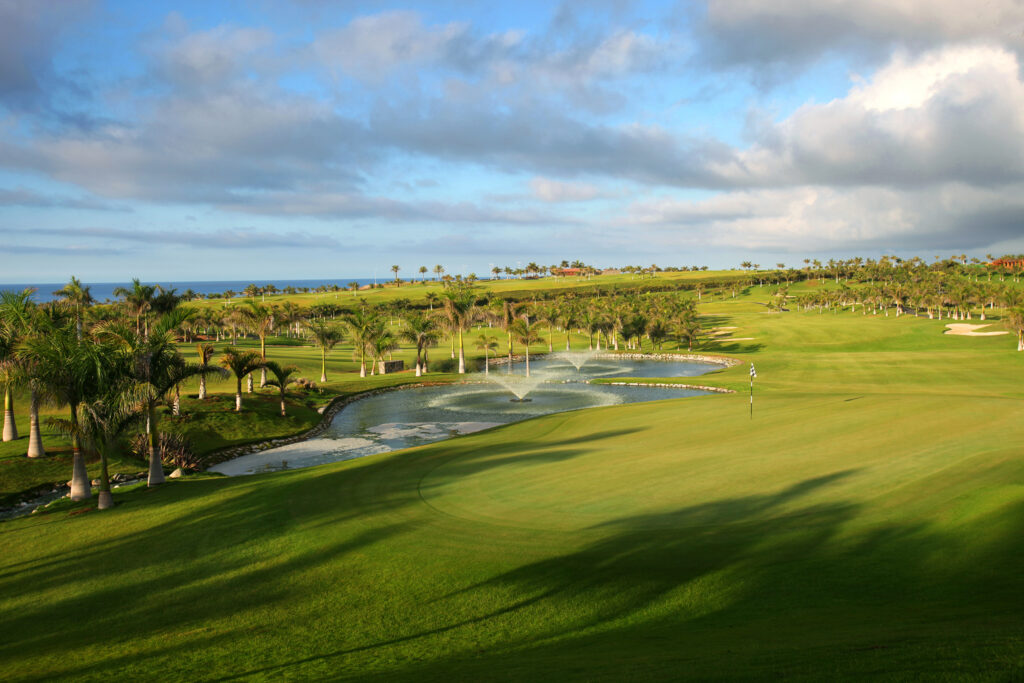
753 372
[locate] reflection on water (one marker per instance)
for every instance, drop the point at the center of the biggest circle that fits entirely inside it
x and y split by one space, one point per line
420 415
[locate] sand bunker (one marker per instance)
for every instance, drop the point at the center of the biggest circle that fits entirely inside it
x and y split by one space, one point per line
968 330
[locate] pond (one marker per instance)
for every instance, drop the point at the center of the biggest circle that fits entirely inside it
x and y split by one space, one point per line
419 415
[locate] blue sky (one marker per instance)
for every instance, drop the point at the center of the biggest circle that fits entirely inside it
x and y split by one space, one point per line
199 140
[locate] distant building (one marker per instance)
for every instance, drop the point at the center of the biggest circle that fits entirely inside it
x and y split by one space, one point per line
566 272
1008 263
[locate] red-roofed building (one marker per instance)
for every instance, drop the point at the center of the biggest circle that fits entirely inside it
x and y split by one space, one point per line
1008 263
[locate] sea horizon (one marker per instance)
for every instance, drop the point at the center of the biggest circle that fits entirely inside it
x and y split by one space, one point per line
102 291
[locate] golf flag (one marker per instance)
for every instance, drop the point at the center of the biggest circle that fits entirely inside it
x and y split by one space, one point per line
753 374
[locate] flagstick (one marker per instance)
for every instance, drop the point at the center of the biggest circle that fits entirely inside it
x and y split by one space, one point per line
751 397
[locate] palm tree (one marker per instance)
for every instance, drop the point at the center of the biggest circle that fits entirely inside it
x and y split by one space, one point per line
438 271
361 324
395 269
282 379
241 363
326 337
689 331
17 312
78 297
139 299
526 334
69 367
1015 320
421 330
259 320
157 367
460 308
205 352
380 343
486 344
423 274
103 421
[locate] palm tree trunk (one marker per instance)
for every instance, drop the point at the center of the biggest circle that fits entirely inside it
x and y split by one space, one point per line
80 486
10 428
176 409
35 438
263 357
462 355
527 347
105 500
283 411
487 366
248 383
202 387
238 394
156 469
323 365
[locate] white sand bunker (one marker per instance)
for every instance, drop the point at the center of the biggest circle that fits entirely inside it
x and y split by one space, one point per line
968 330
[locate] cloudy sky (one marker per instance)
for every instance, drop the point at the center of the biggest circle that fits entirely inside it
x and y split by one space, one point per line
259 139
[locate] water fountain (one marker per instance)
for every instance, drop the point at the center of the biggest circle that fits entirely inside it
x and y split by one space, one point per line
576 358
518 385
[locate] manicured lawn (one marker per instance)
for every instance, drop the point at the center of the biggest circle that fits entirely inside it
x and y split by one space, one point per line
868 522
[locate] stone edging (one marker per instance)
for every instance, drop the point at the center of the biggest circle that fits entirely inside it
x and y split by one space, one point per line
716 390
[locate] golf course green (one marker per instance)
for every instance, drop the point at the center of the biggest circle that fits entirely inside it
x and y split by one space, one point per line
866 521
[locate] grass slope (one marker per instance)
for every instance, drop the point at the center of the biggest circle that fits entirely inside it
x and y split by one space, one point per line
867 522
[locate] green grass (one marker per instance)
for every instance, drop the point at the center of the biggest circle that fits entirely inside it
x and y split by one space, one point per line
868 522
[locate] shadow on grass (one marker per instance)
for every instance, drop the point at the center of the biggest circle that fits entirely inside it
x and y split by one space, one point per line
741 586
196 560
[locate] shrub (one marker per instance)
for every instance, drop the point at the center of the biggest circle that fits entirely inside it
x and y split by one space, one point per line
175 450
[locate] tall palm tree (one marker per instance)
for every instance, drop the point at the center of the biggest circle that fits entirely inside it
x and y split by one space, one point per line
486 344
259 320
158 368
526 333
241 363
282 379
1015 320
138 299
395 269
205 352
689 331
361 323
460 308
380 343
421 330
78 297
69 367
102 423
16 318
326 337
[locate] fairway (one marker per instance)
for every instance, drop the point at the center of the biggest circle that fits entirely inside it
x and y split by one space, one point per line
867 521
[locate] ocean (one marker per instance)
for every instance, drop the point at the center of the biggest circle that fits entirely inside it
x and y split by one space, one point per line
102 291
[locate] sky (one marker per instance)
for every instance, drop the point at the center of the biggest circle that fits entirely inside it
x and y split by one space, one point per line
307 138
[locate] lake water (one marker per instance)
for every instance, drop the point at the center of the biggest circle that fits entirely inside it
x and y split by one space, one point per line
420 415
